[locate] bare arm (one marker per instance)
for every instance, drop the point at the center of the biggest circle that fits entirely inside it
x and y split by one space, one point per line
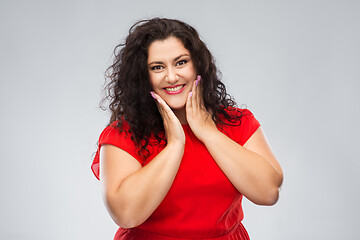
252 168
131 192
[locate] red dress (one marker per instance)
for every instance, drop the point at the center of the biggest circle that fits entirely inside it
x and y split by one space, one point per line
201 203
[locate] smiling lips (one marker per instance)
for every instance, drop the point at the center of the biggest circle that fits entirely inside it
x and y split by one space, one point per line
175 89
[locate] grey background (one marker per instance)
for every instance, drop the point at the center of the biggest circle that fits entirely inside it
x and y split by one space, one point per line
295 64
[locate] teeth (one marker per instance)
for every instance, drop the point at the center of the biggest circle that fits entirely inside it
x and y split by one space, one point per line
174 88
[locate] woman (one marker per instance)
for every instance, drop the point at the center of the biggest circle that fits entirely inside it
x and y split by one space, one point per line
178 156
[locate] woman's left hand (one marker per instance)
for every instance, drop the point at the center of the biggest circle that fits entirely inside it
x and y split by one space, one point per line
198 118
252 168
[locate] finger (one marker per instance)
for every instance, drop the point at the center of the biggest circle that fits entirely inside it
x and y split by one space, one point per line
199 95
158 102
172 125
195 98
189 101
164 109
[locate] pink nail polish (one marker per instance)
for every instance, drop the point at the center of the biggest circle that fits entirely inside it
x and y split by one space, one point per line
190 94
198 78
152 94
196 82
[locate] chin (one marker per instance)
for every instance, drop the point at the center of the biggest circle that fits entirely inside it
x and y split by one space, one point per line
177 106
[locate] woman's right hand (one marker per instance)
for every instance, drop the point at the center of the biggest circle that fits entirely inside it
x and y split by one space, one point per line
132 191
173 130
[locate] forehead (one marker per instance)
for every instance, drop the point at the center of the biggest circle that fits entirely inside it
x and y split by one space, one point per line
169 48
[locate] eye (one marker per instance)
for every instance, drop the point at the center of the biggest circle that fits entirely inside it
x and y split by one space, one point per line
157 67
181 62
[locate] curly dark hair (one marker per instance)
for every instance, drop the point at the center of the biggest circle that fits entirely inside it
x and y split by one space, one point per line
129 86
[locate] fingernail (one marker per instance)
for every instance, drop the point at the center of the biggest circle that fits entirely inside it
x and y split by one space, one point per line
152 94
198 78
196 82
190 94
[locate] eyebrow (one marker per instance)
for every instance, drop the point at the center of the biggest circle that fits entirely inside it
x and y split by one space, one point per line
175 59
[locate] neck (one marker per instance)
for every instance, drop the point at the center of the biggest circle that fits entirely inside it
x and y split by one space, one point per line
181 115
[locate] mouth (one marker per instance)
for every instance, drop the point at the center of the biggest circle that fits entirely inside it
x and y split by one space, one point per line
175 89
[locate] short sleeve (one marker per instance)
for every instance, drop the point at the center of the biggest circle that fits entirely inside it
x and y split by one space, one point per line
112 135
245 129
249 124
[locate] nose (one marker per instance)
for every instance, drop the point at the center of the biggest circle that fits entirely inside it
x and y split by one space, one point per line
171 76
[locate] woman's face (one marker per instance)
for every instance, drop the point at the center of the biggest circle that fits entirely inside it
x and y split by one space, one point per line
171 71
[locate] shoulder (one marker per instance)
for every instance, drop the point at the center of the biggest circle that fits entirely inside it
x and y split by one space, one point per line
238 111
119 135
114 131
236 116
241 125
116 134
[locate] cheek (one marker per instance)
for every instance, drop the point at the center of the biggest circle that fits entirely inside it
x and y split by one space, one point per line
189 74
193 72
192 83
154 79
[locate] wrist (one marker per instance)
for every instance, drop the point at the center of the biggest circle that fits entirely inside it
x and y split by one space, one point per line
210 135
175 146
